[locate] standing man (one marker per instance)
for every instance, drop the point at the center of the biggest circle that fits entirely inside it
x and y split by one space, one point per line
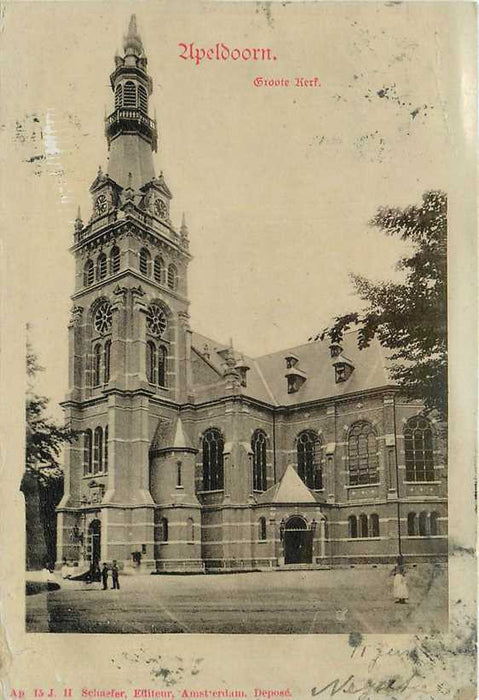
114 575
104 576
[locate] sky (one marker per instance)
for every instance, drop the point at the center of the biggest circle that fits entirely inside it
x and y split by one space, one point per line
277 183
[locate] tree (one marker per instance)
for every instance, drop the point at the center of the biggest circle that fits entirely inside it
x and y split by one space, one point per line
42 483
409 317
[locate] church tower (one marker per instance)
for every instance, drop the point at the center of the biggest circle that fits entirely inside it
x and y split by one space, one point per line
129 337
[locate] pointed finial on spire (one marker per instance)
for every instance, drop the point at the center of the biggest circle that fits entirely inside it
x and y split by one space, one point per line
78 222
132 42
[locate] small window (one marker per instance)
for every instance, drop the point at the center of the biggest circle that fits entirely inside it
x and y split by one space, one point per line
164 529
88 273
191 530
118 96
262 529
106 361
172 277
87 452
162 366
145 260
101 267
114 260
178 474
129 94
363 525
412 524
423 524
97 365
374 525
143 99
98 450
159 269
105 459
258 447
434 523
151 362
352 526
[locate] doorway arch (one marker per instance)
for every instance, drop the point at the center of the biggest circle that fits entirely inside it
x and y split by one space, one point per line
298 541
94 542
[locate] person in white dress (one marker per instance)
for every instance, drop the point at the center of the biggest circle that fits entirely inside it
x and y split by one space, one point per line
400 587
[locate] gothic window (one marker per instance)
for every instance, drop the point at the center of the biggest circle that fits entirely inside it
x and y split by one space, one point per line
103 317
423 524
362 453
97 450
106 361
87 452
363 525
143 99
191 530
156 320
145 262
374 525
258 446
101 269
162 366
114 260
352 526
172 277
309 465
419 450
118 96
129 94
411 524
105 457
262 529
158 269
151 362
213 447
433 523
97 365
89 273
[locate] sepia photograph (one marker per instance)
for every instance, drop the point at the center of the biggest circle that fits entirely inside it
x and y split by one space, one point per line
233 225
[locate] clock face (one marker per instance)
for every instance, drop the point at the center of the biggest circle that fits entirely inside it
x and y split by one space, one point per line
161 209
101 204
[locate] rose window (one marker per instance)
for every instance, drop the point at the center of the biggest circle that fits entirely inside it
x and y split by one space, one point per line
103 317
156 320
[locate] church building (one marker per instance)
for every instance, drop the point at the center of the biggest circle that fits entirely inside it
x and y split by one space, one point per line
193 456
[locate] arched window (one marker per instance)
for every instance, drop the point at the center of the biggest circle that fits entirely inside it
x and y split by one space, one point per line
88 273
362 453
159 269
101 269
374 525
129 94
143 99
191 530
106 361
97 450
162 366
363 525
151 362
352 526
419 450
118 95
97 365
164 529
172 276
105 458
411 524
309 464
423 524
433 522
262 529
87 452
114 260
213 447
145 260
258 446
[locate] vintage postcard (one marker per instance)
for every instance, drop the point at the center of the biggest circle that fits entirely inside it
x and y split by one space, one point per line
239 305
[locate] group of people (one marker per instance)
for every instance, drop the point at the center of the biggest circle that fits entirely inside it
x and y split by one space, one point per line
94 574
115 576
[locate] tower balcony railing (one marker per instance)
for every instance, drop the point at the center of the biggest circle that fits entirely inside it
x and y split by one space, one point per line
131 120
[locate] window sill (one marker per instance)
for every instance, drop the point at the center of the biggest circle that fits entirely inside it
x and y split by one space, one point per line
422 483
93 476
201 493
363 539
361 486
179 488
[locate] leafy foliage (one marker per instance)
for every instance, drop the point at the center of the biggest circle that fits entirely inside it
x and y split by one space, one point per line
409 318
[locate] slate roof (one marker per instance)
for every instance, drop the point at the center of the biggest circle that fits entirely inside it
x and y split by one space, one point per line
289 489
266 377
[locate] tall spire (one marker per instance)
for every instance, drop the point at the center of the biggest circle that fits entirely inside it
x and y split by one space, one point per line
132 41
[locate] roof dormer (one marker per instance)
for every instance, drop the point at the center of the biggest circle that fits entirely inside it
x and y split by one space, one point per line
294 376
343 368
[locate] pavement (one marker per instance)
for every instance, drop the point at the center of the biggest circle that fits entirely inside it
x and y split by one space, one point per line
335 601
